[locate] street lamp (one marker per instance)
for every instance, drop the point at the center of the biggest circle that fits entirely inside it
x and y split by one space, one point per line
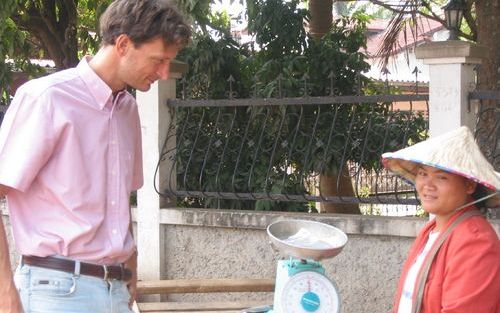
453 12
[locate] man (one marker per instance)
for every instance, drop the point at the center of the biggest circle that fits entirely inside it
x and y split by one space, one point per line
70 154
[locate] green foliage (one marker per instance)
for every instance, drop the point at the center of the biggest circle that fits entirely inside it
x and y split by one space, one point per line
198 10
19 28
421 212
14 41
7 45
286 63
278 27
89 12
211 63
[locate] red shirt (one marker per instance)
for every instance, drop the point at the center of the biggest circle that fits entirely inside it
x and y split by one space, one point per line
465 274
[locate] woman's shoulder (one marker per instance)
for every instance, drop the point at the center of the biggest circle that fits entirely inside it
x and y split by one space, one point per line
479 225
475 229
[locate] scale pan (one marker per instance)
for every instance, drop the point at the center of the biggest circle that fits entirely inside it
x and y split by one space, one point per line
306 239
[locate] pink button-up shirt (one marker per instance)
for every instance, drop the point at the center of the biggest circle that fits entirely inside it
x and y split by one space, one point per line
72 154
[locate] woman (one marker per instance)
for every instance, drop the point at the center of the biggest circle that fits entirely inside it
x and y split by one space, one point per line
454 263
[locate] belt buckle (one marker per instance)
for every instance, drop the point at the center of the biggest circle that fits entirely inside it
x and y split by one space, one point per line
106 273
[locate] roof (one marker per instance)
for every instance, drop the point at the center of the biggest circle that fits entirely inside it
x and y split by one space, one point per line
377 25
410 37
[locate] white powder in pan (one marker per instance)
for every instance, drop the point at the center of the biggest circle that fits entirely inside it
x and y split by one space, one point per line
305 239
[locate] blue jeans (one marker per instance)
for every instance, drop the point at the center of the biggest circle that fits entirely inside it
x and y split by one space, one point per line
49 291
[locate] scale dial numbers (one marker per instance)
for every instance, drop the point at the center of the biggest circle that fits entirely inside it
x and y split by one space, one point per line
310 291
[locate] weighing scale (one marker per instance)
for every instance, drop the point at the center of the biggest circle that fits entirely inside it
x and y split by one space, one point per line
301 283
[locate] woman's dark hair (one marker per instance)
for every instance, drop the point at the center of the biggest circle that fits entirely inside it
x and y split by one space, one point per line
480 192
142 21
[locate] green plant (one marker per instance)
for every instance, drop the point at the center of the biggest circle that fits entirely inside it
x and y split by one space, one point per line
234 149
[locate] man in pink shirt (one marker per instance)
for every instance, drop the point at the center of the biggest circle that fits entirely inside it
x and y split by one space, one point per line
70 155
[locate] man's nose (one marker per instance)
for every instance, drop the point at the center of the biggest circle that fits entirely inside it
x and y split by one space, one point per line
163 70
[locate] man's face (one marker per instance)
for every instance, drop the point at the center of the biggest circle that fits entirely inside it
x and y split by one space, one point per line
143 65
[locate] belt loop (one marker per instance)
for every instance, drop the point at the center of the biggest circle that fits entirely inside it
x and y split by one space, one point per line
122 272
106 272
77 268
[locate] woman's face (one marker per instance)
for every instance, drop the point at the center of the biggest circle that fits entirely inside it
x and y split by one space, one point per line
442 192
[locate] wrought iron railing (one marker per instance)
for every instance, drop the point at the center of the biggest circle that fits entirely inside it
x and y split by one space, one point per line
303 150
3 109
487 130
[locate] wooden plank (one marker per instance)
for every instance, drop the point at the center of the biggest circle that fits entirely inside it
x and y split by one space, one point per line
220 306
218 311
204 286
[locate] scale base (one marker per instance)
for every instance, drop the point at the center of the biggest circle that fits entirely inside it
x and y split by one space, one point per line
302 285
259 309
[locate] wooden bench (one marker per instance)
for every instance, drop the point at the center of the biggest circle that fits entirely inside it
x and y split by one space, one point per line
177 286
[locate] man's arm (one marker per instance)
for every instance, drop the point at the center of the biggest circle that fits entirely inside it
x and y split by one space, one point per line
131 264
10 298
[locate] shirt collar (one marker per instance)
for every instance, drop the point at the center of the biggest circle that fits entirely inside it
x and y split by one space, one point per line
101 92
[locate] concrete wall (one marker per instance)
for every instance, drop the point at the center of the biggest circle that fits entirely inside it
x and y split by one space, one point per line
366 271
234 244
14 256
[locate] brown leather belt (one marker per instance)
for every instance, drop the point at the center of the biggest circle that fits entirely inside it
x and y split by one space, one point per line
101 271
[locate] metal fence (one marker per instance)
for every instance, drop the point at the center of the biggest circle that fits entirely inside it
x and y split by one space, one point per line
298 153
3 109
290 153
4 103
487 129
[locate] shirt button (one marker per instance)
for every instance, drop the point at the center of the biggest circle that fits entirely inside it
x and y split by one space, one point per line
113 173
114 231
112 202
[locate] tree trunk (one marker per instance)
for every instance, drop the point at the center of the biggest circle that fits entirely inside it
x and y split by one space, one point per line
321 17
330 184
53 23
333 185
488 35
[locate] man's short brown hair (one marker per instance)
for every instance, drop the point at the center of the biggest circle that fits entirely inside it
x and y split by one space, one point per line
144 20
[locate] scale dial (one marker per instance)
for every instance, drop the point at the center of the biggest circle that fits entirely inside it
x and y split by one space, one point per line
310 291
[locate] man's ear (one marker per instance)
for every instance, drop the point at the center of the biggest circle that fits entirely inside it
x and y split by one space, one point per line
122 44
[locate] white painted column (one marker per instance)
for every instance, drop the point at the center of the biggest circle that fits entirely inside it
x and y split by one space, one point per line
451 77
155 119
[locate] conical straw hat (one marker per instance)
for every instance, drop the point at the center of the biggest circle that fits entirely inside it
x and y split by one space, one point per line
455 152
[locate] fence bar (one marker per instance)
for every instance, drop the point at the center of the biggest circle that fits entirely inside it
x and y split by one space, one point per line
349 100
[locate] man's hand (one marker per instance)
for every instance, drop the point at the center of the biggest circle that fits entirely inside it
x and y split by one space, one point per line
131 264
9 297
11 303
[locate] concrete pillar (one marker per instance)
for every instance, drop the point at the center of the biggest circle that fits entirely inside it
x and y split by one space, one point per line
155 119
451 77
